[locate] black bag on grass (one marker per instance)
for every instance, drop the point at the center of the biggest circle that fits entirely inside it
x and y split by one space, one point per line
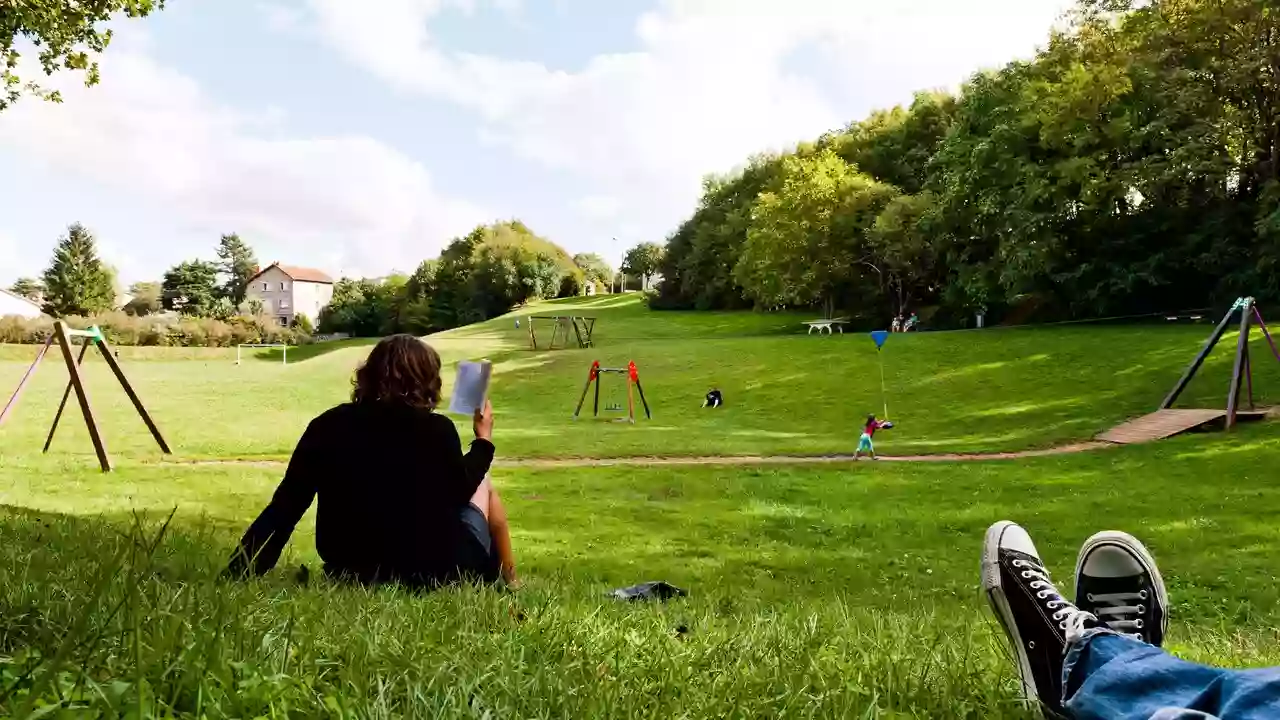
659 590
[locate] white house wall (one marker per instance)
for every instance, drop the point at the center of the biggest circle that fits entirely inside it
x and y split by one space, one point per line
11 305
310 298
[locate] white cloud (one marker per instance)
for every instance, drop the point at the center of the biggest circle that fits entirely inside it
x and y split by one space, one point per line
710 86
598 207
348 202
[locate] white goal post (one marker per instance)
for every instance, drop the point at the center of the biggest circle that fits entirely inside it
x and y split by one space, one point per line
284 350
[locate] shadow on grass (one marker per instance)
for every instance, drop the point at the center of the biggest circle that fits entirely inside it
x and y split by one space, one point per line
302 353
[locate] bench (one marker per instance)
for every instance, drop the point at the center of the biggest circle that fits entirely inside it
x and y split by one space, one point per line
821 325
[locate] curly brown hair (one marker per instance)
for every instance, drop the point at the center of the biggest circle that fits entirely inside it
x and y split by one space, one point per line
401 369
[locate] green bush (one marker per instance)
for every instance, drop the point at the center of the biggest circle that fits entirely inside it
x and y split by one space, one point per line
302 324
159 330
570 286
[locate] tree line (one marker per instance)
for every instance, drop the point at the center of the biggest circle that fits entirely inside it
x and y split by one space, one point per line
79 283
483 274
206 301
1131 166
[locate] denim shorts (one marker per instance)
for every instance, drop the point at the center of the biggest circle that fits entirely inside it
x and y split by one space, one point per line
476 557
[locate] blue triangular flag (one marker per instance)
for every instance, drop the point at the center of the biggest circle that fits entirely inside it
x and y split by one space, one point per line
880 336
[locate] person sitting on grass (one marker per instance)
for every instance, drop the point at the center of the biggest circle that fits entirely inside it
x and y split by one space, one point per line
864 440
398 500
1099 658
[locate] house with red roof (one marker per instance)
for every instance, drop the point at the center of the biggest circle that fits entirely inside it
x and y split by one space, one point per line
287 291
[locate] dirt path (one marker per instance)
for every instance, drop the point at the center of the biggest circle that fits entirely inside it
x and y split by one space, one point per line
726 460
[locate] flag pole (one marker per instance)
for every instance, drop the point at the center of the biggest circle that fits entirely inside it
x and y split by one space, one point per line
884 396
879 336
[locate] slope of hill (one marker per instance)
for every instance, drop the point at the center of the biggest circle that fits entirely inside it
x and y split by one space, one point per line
786 392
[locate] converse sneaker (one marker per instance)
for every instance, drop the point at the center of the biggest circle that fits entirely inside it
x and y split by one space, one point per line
1035 616
1118 582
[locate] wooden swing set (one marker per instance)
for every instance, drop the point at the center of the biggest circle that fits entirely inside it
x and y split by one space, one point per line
568 329
1169 421
1241 368
91 337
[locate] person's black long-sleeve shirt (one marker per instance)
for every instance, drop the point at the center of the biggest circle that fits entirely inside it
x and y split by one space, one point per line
391 480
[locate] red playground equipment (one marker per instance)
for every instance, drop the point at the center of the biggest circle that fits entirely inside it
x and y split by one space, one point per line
633 378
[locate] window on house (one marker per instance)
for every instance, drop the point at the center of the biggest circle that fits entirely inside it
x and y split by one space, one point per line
284 321
284 304
266 287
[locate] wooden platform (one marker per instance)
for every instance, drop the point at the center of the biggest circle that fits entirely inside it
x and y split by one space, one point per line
1167 423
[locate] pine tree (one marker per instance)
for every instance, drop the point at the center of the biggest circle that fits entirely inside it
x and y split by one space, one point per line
191 288
29 288
77 282
237 264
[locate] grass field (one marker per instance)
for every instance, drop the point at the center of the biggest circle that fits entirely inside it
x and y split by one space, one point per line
786 393
816 591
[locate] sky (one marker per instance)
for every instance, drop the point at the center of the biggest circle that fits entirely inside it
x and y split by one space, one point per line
359 137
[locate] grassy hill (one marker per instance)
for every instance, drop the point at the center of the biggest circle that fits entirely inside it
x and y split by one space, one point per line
786 392
815 591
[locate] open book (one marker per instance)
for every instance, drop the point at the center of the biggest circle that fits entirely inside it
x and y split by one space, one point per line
471 387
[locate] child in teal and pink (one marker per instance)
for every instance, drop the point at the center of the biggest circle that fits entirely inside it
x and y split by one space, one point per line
868 432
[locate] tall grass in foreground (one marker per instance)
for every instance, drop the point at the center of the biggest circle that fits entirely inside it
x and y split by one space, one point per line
104 622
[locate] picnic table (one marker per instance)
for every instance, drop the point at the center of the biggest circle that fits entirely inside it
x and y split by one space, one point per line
827 324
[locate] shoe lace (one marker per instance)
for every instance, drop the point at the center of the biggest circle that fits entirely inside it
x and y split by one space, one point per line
1071 620
1118 611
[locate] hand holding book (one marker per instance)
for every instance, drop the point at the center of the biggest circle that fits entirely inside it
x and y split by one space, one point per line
482 422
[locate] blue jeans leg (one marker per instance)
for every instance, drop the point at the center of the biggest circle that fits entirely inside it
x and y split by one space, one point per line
1114 677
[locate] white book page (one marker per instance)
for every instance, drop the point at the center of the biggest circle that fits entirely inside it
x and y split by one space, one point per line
470 388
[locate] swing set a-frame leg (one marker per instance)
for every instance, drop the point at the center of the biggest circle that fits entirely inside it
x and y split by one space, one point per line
22 384
640 388
109 356
593 376
66 394
1238 370
585 389
631 403
82 397
1190 372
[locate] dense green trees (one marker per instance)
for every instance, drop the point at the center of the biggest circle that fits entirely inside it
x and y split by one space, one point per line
236 264
191 288
29 288
145 298
644 261
807 240
478 276
203 288
77 282
1132 166
594 269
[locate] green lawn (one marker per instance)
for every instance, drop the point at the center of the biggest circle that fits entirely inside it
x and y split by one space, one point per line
816 591
786 393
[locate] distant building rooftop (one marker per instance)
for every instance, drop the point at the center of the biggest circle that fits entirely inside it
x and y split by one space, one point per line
298 274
